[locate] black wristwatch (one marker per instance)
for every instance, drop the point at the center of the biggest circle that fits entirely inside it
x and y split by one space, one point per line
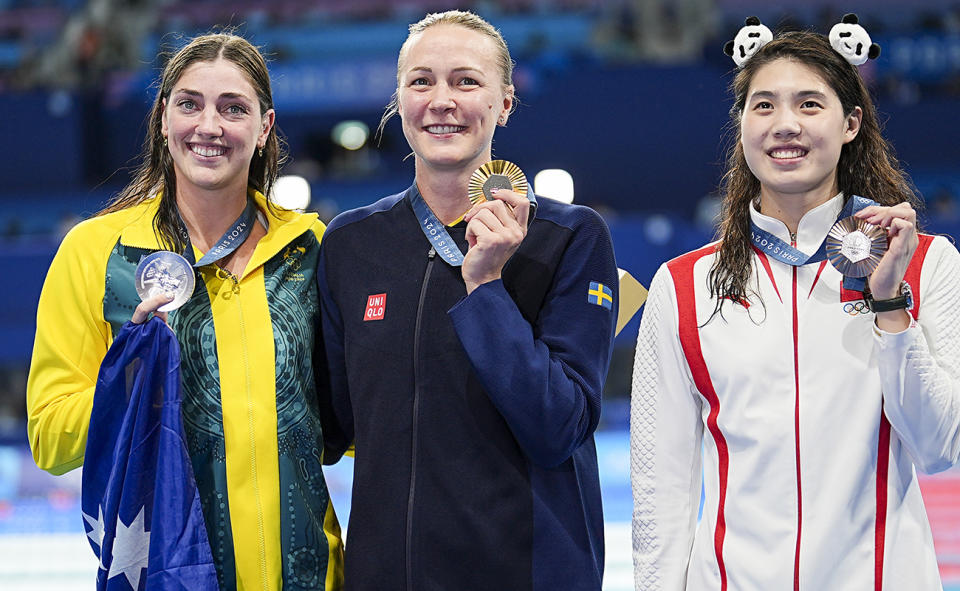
904 301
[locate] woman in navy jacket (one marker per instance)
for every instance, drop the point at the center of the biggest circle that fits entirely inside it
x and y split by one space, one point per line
469 384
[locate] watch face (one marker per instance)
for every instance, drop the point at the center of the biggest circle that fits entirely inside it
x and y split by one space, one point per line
906 291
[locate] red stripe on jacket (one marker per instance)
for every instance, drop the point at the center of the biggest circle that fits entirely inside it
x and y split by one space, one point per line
681 269
912 277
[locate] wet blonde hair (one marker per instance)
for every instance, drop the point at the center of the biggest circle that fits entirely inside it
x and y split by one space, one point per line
462 18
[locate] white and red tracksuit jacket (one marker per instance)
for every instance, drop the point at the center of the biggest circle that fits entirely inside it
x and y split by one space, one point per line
805 421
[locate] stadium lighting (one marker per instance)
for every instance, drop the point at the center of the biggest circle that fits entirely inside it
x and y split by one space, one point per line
350 134
554 183
291 192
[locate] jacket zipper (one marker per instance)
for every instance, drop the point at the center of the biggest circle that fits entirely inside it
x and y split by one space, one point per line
431 255
251 428
796 421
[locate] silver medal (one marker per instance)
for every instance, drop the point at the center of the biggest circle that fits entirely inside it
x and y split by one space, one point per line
165 271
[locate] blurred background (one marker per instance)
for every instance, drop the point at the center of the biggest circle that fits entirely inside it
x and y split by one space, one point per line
628 97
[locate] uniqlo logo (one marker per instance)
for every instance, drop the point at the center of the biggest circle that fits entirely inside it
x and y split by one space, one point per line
376 306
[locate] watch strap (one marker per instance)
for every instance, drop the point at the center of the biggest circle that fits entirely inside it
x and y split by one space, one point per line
904 301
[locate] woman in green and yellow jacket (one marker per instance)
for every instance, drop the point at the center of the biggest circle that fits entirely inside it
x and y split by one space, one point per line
247 334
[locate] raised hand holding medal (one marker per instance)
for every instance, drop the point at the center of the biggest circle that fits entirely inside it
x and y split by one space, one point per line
900 224
497 223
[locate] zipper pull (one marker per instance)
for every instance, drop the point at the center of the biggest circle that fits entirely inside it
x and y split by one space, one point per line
223 274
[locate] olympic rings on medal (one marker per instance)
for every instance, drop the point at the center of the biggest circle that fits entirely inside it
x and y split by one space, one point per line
856 308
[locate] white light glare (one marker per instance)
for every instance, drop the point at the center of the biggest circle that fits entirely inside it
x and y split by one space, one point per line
291 192
554 183
350 134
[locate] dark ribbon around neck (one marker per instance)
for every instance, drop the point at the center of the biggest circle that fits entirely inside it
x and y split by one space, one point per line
436 232
229 242
775 247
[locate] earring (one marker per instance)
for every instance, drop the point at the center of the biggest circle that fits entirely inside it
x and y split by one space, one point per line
164 141
501 121
260 152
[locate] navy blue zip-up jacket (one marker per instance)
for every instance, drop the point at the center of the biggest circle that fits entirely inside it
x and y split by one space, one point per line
472 416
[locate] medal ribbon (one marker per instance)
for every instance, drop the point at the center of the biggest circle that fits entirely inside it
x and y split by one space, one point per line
785 253
435 231
229 242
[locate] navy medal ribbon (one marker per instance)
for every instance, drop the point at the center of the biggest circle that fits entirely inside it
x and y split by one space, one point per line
229 242
435 231
785 253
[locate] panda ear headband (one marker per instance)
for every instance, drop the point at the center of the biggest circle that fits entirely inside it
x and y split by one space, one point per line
852 42
748 41
847 37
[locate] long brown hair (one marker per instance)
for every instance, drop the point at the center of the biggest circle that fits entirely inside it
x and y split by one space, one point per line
155 172
866 167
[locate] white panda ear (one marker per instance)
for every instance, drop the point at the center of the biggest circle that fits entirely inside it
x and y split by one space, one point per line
851 41
748 41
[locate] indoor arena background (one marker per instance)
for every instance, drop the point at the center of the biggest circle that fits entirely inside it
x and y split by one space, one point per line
629 97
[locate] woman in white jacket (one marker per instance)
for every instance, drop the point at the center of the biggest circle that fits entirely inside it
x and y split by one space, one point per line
805 400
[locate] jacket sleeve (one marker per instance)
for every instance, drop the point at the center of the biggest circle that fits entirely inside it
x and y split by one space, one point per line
918 367
336 411
71 341
665 436
546 378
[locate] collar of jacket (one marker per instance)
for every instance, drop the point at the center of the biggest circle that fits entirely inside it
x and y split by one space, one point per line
282 227
812 228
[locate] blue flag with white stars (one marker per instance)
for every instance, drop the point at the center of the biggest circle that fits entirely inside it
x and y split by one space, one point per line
141 508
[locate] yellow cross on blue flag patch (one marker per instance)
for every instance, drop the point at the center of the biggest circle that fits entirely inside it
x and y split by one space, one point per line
600 295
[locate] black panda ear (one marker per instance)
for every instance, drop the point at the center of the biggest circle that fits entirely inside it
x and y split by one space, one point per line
728 48
850 19
752 21
874 51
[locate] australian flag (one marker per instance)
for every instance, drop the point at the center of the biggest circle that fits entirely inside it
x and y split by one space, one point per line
140 503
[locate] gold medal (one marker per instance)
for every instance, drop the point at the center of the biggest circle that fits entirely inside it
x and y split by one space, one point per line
499 174
855 247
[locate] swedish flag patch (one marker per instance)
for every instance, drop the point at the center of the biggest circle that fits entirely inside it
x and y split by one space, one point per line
600 295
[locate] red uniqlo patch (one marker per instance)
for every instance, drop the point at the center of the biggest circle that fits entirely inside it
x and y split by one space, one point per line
376 306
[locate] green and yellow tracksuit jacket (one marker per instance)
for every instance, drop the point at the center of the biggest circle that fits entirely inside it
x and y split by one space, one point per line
249 398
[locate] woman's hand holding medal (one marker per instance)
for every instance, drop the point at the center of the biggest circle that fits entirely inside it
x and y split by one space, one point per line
900 222
495 230
150 305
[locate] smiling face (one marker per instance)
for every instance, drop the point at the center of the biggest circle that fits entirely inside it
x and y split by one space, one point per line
213 125
451 97
792 130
